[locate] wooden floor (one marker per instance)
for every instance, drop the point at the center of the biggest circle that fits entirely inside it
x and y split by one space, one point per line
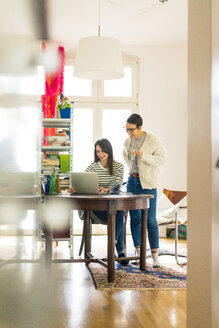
66 297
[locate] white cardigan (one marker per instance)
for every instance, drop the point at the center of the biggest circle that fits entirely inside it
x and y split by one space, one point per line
153 156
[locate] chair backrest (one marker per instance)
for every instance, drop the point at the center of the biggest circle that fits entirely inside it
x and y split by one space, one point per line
174 196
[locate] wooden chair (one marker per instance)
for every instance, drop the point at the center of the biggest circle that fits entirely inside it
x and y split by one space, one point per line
168 206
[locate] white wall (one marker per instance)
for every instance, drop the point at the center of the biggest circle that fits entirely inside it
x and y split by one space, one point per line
163 105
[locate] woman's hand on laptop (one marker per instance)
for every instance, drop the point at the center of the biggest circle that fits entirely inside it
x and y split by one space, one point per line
104 190
72 190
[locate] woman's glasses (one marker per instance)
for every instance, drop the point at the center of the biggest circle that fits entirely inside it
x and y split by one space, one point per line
130 129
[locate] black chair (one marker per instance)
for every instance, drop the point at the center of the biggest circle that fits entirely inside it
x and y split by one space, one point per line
95 220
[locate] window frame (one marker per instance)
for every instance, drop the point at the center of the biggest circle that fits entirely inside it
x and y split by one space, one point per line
98 85
134 98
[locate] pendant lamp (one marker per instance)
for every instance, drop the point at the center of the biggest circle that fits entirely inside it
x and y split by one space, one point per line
99 58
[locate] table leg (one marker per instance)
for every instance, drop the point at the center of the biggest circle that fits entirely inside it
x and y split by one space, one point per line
87 247
143 239
48 246
111 247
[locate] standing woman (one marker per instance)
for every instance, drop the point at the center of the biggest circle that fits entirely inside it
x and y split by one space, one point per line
109 173
144 154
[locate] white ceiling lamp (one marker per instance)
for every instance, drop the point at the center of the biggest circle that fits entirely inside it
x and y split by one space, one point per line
99 58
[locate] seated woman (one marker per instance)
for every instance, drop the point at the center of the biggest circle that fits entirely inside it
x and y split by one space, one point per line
109 173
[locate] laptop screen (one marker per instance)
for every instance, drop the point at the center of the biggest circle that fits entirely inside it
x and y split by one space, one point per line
85 182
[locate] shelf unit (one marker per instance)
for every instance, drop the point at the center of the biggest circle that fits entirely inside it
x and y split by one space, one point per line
60 123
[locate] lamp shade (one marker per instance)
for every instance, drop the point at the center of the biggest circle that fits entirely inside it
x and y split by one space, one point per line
99 58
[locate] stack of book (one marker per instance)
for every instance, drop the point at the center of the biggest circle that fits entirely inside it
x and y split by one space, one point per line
50 162
65 183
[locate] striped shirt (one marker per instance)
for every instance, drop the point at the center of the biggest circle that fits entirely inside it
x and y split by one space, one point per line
105 179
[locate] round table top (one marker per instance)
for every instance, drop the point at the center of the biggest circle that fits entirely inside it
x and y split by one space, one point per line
20 197
120 196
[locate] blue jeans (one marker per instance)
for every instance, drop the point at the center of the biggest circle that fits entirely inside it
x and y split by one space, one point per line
134 186
102 215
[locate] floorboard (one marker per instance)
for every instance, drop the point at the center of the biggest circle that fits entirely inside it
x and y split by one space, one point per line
66 297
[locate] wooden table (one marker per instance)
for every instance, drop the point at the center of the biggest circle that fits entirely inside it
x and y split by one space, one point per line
27 202
110 203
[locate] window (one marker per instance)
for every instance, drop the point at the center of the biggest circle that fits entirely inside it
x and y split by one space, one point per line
74 86
112 122
28 85
121 87
82 138
102 107
20 128
20 122
19 137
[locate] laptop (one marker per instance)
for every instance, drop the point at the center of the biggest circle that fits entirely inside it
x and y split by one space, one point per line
88 183
22 183
85 182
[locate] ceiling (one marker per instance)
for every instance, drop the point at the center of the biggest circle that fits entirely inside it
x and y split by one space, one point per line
66 21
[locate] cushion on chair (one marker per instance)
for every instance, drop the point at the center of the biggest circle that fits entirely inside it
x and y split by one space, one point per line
81 215
163 220
163 203
94 218
166 209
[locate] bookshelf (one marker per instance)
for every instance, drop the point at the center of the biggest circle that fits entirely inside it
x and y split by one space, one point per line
59 157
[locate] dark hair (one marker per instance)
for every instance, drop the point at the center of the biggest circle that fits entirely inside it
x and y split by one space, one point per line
135 119
107 148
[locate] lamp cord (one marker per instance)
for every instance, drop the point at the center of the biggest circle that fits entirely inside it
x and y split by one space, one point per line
99 21
155 4
160 2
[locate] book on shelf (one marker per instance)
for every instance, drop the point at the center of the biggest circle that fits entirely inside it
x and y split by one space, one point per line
49 169
51 154
48 172
64 182
50 161
50 166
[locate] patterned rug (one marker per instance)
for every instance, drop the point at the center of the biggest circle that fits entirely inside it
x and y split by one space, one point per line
168 276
